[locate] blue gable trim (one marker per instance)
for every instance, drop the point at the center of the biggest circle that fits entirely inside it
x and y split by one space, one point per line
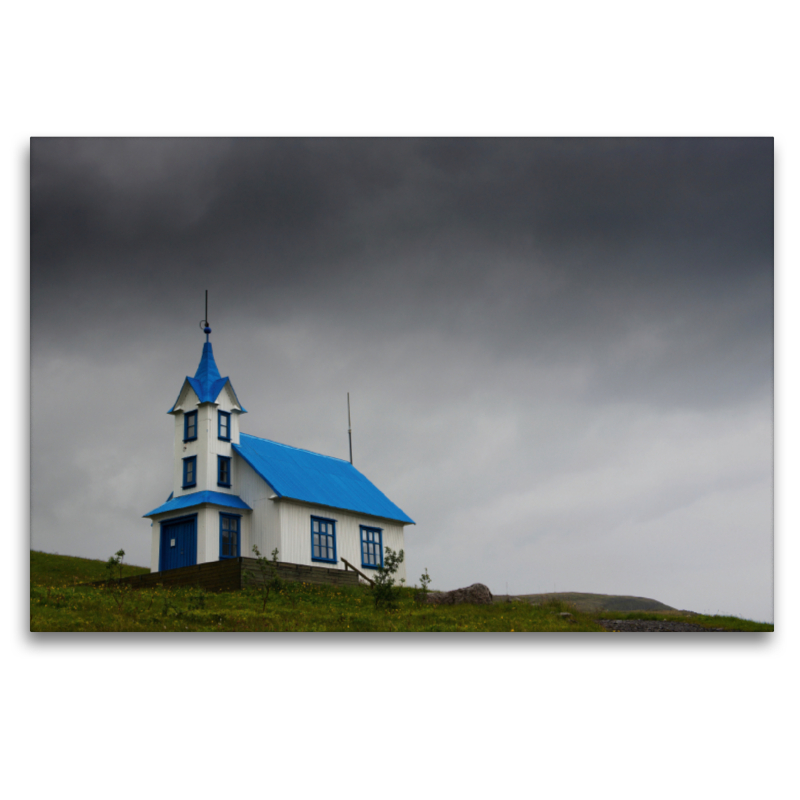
198 498
207 383
313 478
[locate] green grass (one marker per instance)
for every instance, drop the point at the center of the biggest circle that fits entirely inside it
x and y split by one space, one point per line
52 570
59 603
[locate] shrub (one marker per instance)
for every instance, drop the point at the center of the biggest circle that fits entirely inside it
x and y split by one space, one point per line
383 589
118 589
115 562
269 575
421 595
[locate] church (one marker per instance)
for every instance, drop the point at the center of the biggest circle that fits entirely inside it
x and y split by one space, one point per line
231 490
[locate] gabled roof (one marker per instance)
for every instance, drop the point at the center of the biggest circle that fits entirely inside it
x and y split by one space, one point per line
197 499
313 478
207 383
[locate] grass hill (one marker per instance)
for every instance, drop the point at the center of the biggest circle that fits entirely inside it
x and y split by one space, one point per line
48 569
595 603
61 600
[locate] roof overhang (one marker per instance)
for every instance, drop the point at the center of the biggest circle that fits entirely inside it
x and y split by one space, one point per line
195 499
286 499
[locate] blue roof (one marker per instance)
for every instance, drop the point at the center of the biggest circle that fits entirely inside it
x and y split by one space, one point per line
313 478
198 498
207 383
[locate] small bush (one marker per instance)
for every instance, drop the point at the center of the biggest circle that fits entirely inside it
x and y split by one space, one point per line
384 592
421 595
269 575
114 563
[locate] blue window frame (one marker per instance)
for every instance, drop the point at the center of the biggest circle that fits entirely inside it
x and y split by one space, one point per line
323 540
189 426
189 472
223 471
224 426
371 547
229 536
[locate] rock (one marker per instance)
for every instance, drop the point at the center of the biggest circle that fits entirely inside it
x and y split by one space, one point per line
477 594
566 615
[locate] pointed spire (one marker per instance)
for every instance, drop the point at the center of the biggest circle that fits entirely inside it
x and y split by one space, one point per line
207 371
207 382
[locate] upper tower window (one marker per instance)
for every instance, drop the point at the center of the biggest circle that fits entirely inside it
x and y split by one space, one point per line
189 426
224 426
189 472
223 471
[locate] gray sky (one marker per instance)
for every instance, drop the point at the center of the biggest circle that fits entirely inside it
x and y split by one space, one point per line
559 352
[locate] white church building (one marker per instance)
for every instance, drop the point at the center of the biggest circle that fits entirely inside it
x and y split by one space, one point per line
231 491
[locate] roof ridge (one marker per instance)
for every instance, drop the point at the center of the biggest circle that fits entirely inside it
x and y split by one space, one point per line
292 447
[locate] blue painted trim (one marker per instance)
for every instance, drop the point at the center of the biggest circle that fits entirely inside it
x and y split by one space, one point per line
238 518
189 415
171 521
186 461
331 536
198 499
364 530
220 461
223 415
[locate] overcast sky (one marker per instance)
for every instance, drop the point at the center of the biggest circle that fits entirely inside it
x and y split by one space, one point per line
559 352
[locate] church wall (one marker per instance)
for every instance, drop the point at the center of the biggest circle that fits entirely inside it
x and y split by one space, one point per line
155 544
295 535
255 491
183 449
208 532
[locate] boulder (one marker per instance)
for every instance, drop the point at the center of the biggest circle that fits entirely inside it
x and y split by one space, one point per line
477 594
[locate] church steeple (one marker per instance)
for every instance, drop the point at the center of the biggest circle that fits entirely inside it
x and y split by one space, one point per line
206 427
207 382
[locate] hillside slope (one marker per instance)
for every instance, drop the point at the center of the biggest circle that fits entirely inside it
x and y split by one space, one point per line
594 603
51 569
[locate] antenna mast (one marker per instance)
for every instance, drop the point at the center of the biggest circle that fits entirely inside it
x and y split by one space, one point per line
349 428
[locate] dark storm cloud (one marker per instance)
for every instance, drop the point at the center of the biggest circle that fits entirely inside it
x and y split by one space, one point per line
554 244
89 197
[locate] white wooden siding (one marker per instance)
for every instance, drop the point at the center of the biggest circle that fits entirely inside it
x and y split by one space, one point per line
155 544
295 535
207 446
255 491
184 449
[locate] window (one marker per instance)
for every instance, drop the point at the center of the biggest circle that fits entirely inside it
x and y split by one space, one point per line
323 540
223 471
224 426
229 540
189 472
190 426
371 547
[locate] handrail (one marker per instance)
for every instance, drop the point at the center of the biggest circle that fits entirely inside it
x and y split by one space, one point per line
348 564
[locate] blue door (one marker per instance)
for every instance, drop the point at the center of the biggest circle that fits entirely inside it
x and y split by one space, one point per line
178 543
